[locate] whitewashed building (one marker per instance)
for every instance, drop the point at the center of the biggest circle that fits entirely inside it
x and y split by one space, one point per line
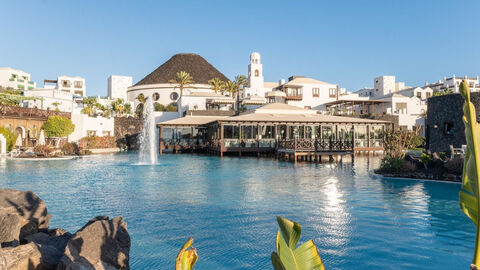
118 85
15 79
309 93
91 126
73 85
388 99
453 83
49 99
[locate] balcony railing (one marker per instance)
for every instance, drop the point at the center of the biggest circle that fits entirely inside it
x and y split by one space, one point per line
291 97
316 145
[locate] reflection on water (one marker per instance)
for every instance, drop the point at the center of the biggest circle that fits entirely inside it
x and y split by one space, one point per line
229 206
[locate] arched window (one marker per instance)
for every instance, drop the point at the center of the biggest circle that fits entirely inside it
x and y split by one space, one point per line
156 96
257 73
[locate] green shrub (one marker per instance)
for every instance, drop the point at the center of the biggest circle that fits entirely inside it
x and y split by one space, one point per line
10 136
57 126
390 164
159 107
426 159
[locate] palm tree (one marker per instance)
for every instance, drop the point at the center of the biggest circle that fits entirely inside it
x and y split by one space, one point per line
56 104
142 99
230 87
216 84
240 82
182 80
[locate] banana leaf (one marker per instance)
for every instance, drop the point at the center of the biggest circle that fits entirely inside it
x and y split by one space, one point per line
471 165
287 257
186 258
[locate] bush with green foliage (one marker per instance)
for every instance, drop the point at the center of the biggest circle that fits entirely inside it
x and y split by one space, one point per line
426 159
10 136
58 126
390 164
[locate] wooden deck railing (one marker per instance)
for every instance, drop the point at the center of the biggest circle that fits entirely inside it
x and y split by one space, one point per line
315 145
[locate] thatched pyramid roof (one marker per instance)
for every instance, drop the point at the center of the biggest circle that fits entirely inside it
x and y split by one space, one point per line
197 66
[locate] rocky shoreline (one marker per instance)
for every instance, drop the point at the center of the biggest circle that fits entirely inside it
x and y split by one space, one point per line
27 242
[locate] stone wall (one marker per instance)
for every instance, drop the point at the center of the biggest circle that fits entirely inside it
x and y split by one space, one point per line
26 121
444 124
126 130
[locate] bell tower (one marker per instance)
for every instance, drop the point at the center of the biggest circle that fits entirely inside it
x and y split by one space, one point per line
255 74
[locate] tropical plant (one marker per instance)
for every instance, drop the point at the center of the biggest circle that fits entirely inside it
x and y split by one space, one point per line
396 142
172 107
56 104
89 105
216 84
158 107
230 87
142 98
186 258
287 256
390 164
10 136
183 79
240 82
426 160
118 106
469 194
58 126
127 108
444 92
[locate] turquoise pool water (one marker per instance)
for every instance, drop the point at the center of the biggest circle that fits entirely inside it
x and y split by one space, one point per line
229 206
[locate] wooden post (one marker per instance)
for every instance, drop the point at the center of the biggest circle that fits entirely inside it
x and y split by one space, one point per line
161 141
222 140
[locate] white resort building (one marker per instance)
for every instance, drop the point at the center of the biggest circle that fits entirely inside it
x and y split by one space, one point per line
118 85
198 96
453 83
388 100
73 85
15 79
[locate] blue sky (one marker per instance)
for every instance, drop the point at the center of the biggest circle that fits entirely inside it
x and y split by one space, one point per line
344 42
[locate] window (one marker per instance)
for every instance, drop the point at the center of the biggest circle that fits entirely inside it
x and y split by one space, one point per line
401 108
66 83
448 128
106 133
91 133
230 131
156 96
428 95
316 92
257 73
174 96
419 94
332 92
78 84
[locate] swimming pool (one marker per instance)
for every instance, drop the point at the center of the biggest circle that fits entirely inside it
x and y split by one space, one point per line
229 206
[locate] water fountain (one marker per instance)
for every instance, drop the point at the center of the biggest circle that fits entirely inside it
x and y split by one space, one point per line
148 142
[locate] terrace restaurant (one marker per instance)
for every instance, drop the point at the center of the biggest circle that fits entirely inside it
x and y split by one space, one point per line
273 128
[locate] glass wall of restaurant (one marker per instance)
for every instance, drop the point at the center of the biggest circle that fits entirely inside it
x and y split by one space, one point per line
184 136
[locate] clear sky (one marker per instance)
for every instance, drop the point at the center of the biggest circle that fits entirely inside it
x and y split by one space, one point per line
344 42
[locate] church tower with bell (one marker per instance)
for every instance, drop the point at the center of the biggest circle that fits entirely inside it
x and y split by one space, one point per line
255 75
